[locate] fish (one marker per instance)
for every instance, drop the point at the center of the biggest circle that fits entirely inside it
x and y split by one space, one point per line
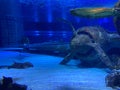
92 12
100 12
97 12
18 65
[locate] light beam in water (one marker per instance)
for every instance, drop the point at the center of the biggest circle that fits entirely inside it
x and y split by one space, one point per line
49 8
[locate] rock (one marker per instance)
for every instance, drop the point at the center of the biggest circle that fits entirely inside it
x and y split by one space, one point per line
7 84
18 65
113 80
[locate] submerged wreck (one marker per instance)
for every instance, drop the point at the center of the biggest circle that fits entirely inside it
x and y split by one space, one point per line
92 44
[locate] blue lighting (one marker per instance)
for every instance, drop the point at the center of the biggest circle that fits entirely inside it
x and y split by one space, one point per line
49 8
37 31
64 34
37 34
64 15
50 33
77 20
36 19
49 16
105 20
45 14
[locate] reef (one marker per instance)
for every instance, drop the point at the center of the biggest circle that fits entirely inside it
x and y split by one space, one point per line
7 84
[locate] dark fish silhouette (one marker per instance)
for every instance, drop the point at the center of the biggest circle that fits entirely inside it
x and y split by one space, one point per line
18 65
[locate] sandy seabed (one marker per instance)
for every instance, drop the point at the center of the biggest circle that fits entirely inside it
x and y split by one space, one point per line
47 74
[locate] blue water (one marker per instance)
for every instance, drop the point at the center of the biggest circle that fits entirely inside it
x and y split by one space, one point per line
49 36
41 18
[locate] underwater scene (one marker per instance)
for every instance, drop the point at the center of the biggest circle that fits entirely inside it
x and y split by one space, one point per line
59 44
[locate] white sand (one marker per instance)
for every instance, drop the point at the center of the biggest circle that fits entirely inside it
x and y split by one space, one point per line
47 74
